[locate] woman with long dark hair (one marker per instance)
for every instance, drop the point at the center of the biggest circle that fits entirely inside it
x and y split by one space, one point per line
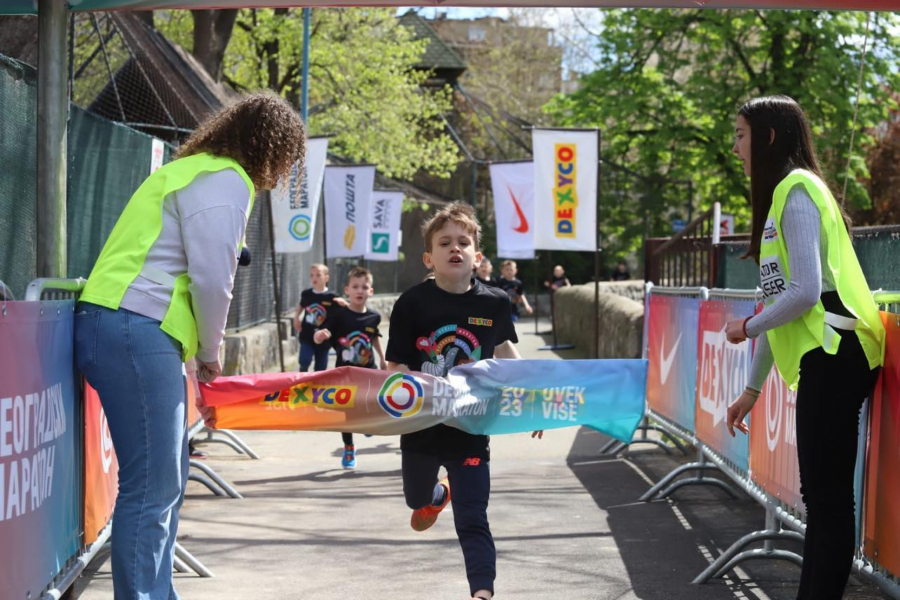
822 327
157 296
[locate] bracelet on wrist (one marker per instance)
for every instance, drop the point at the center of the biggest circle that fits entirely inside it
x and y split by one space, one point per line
744 327
751 392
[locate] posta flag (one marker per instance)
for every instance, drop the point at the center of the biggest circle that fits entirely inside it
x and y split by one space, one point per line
295 202
384 225
513 188
485 397
348 190
565 189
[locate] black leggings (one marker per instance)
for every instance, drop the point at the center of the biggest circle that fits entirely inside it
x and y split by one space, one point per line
831 392
348 439
470 488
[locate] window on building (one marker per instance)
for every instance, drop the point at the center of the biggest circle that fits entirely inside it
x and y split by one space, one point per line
477 33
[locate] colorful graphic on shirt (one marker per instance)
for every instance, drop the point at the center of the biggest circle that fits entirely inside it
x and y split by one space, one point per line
315 314
401 396
446 348
356 349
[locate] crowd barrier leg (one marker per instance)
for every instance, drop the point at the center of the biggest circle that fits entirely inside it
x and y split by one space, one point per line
203 479
734 555
231 440
187 561
665 486
215 477
614 446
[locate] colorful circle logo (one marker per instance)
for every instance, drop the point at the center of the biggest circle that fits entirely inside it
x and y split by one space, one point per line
401 396
300 227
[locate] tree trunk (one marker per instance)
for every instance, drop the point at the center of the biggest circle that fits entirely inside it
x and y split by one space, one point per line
146 16
212 32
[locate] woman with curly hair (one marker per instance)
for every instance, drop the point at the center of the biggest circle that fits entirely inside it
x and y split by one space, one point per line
159 295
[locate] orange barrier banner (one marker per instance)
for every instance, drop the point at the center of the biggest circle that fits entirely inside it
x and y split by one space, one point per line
773 443
881 540
101 468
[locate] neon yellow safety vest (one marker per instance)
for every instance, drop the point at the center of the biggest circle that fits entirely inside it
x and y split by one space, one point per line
124 253
809 331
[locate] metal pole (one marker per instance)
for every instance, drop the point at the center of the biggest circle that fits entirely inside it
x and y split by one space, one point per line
51 139
474 182
597 260
275 281
537 292
304 93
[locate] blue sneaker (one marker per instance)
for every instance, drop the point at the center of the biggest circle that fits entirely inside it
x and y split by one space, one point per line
349 460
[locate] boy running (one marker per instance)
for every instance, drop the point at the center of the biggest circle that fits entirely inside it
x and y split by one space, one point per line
484 273
514 288
353 331
438 324
315 302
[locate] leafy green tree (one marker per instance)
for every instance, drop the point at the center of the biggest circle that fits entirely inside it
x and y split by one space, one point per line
363 89
668 84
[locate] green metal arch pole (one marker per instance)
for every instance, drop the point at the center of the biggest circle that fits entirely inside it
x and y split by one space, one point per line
50 212
304 93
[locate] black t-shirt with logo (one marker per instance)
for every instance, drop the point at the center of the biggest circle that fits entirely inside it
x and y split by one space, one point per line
317 307
432 331
514 289
558 282
353 336
490 281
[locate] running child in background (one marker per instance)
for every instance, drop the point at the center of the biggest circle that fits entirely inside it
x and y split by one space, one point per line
484 273
558 280
513 288
315 304
447 321
353 331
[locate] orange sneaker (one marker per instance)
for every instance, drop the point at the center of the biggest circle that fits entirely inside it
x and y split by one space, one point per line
423 518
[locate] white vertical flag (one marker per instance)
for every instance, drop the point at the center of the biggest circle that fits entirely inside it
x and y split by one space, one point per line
565 189
347 193
384 225
513 187
295 202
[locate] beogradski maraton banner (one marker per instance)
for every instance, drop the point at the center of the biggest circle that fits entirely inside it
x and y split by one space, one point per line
672 352
485 397
882 501
383 240
722 373
39 501
295 202
348 190
565 189
513 190
101 468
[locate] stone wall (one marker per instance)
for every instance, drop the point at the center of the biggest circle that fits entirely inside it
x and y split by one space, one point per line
621 315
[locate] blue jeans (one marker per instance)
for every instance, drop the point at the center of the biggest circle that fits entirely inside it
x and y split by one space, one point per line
138 374
310 350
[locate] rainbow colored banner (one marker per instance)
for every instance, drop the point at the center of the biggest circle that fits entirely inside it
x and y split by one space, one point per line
485 397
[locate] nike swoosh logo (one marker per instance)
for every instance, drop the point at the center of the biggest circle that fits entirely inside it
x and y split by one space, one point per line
666 361
523 222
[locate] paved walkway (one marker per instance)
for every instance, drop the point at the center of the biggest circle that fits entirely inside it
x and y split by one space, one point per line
566 522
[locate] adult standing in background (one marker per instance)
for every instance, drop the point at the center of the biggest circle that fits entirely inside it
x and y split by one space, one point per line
823 330
157 296
620 273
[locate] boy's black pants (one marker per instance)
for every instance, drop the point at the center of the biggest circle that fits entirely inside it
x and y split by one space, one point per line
829 398
470 488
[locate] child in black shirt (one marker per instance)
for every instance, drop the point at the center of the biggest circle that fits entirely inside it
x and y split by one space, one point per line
438 324
558 280
484 273
315 304
353 331
513 288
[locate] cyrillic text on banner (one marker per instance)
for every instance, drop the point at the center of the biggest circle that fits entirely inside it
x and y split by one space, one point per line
383 240
513 187
295 202
348 190
565 189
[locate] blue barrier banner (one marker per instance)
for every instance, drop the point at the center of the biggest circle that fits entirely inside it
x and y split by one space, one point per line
672 352
485 397
722 374
39 483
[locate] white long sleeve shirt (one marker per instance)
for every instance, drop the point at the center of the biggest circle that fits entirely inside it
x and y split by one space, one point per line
202 226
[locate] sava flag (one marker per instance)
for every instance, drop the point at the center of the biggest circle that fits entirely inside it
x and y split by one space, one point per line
513 186
347 193
565 189
384 225
296 200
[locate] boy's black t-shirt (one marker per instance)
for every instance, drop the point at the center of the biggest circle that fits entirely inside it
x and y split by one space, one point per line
432 331
353 336
490 281
514 289
557 282
317 307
